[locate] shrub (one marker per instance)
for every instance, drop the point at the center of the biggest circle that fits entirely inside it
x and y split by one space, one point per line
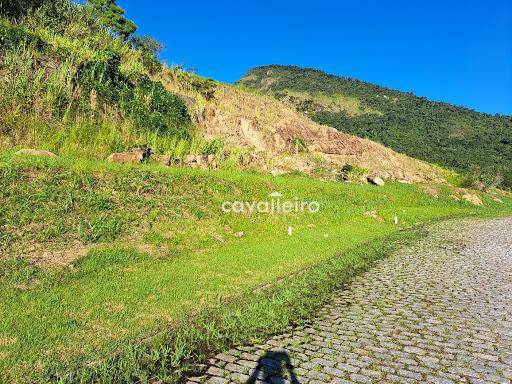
147 102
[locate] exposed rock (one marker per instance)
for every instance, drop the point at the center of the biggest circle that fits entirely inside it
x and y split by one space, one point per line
212 161
478 185
375 181
190 160
473 199
497 199
165 160
239 234
431 191
189 101
277 172
36 152
264 125
133 157
202 160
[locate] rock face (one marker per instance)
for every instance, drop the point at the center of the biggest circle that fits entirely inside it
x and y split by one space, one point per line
266 126
133 157
36 152
375 181
431 191
201 161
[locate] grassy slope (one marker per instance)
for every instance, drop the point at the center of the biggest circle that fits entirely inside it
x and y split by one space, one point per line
117 293
436 132
68 86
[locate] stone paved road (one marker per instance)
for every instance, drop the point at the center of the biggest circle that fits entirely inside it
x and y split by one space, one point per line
439 311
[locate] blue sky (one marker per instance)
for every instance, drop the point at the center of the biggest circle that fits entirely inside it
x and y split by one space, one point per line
454 51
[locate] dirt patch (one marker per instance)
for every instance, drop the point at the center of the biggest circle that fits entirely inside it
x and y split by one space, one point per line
473 199
57 258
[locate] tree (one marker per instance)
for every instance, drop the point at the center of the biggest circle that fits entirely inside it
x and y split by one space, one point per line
150 48
147 44
111 16
17 8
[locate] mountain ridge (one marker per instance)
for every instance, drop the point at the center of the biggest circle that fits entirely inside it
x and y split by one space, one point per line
438 132
384 87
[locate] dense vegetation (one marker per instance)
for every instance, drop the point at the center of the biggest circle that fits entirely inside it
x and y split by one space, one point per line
76 81
441 133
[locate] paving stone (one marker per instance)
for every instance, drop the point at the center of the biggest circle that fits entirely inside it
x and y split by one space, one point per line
438 311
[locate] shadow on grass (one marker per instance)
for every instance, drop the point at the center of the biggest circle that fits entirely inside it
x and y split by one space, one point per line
274 367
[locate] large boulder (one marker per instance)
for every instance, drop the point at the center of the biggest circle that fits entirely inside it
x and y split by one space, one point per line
212 161
36 152
375 181
200 161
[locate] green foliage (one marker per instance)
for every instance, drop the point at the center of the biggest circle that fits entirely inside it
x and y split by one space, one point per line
507 180
347 168
440 133
101 258
300 145
17 271
101 228
12 37
111 16
114 297
351 172
68 86
147 102
17 8
150 48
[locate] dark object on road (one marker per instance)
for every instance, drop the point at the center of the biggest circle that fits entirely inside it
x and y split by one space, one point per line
272 368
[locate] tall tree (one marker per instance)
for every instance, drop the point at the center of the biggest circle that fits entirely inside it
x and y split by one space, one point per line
111 16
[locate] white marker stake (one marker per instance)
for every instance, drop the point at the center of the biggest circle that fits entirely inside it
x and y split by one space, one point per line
396 220
290 231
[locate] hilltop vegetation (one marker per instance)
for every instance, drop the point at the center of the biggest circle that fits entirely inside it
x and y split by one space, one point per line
75 82
456 137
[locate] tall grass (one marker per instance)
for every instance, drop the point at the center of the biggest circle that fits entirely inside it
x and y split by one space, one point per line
70 87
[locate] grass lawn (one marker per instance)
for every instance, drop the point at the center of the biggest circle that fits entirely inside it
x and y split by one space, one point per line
96 256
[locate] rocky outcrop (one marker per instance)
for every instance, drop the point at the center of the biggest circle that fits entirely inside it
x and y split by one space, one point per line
260 124
36 152
134 157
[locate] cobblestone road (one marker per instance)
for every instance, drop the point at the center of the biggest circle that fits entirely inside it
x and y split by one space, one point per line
439 311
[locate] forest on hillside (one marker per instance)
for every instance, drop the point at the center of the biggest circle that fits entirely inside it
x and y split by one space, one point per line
477 144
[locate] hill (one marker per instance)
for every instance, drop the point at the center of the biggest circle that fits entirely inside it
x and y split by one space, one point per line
88 95
280 140
436 132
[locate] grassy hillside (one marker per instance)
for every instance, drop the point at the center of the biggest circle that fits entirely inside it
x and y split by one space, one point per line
437 132
104 256
69 86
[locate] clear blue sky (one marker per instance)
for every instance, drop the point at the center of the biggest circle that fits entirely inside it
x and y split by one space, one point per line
454 51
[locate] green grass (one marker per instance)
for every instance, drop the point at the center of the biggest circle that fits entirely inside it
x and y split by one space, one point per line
158 251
